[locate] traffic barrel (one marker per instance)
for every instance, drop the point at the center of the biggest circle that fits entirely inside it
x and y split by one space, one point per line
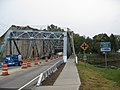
54 56
36 61
28 63
46 58
24 64
40 61
51 57
4 69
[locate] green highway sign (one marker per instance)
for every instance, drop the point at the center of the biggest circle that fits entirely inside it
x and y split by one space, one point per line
105 46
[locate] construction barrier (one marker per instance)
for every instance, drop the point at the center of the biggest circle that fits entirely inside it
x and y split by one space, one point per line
4 69
36 61
24 64
54 56
51 57
28 63
46 58
40 61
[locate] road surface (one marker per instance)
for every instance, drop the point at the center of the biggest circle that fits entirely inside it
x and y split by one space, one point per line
18 79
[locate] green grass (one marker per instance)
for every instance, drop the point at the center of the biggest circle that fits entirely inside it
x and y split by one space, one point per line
95 78
112 74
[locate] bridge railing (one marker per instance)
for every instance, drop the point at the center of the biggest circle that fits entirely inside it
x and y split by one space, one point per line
48 72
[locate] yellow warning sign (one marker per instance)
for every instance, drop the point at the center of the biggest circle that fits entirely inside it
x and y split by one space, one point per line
84 46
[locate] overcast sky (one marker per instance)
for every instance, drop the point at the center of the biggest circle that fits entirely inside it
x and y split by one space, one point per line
85 17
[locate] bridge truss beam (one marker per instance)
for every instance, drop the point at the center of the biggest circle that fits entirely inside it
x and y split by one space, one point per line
46 41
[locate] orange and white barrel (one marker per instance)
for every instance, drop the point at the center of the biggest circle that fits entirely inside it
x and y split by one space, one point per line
4 69
36 61
24 64
28 63
46 59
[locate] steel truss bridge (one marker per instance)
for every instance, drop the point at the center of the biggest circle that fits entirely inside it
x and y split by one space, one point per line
31 43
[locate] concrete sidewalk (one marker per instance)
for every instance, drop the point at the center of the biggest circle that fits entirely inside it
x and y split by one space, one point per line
67 80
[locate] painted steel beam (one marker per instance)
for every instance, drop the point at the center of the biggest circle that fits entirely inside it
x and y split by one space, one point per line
58 39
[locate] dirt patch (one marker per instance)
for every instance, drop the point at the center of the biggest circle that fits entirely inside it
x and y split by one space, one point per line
52 78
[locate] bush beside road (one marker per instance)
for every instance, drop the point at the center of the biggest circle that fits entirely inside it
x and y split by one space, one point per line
113 59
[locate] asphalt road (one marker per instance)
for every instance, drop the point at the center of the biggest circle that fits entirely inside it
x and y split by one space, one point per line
18 79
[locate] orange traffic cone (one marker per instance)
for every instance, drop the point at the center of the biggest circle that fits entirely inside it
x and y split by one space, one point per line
24 64
36 60
5 69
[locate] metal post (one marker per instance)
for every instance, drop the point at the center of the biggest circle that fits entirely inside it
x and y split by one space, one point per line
73 44
29 48
43 48
85 58
76 59
65 48
10 47
17 47
105 59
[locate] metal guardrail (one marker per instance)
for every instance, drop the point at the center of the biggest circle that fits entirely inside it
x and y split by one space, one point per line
49 71
44 74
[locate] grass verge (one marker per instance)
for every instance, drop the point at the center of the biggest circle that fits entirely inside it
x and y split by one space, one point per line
94 78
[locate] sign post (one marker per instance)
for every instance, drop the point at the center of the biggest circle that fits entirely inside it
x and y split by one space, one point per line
105 59
105 47
84 46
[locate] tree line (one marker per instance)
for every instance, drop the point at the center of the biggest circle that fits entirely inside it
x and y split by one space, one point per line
54 28
94 43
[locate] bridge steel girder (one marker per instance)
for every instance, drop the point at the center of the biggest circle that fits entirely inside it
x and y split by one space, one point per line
59 39
65 48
